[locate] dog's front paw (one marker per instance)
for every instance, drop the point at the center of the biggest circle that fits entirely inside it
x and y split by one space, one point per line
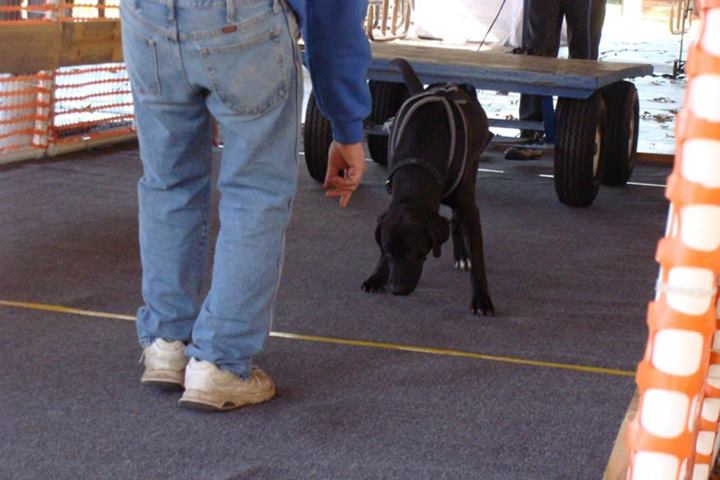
463 264
373 285
483 303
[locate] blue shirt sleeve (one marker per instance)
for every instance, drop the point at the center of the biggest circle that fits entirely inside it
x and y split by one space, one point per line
337 53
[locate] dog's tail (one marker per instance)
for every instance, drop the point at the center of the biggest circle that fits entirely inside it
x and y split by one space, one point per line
409 75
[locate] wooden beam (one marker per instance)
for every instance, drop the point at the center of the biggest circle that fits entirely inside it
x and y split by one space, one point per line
618 464
648 157
31 48
489 70
90 43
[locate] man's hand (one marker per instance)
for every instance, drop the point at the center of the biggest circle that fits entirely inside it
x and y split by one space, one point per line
350 159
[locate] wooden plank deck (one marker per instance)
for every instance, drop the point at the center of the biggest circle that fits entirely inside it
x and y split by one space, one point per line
503 71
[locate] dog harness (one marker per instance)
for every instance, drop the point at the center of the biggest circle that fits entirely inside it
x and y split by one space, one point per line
450 97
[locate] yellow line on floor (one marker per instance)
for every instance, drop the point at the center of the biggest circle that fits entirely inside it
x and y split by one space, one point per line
354 343
454 353
59 309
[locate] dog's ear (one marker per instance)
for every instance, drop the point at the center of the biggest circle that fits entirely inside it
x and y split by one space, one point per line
439 233
469 89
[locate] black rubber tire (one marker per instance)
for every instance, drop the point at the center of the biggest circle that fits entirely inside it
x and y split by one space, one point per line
578 163
387 97
621 137
317 137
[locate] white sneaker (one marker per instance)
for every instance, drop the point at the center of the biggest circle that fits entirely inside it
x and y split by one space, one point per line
209 388
165 363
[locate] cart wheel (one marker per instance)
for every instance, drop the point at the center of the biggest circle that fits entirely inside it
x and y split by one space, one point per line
387 97
621 138
317 137
581 126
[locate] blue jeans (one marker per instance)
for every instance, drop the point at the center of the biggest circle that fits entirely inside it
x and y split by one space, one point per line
238 61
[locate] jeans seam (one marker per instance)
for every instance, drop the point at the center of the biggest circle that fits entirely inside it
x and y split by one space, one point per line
154 89
251 42
209 4
298 105
186 85
147 25
156 74
242 25
275 99
200 35
202 241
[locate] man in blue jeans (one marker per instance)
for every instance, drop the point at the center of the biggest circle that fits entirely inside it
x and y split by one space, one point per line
238 61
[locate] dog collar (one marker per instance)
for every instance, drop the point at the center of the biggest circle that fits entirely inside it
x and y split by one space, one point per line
406 162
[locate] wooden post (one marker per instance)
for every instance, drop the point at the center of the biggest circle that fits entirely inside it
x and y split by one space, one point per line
618 464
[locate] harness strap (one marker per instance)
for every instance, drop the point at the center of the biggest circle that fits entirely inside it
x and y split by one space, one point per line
437 94
458 177
418 162
412 105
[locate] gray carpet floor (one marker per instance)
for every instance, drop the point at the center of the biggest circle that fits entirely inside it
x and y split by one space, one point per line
569 286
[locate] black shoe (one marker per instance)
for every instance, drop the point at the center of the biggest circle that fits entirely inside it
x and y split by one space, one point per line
531 137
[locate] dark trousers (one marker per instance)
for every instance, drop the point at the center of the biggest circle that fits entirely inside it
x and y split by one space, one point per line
585 20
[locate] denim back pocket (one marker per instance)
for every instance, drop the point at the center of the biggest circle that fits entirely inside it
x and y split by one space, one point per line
142 63
250 77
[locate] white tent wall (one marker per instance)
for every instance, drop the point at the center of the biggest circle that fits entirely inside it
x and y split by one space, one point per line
456 21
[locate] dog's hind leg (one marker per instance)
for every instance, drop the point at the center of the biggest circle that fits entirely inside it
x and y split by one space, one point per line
377 281
460 252
469 218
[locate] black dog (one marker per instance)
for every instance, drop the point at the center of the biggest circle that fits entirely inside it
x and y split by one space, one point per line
434 150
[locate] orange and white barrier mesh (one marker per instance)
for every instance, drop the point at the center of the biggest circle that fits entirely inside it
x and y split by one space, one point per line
88 10
30 11
91 102
24 111
44 11
66 106
674 435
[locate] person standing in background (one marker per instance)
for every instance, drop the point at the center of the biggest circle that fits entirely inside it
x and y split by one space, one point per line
585 19
237 60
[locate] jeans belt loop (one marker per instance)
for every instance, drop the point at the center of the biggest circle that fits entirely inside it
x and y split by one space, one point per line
230 8
171 9
276 6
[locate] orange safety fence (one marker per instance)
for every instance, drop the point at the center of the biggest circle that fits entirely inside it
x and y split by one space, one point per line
70 104
91 102
674 434
67 105
44 11
24 111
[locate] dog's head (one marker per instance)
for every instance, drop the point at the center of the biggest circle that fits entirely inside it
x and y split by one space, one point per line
406 237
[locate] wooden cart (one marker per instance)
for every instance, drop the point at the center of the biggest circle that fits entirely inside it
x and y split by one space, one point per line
594 127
